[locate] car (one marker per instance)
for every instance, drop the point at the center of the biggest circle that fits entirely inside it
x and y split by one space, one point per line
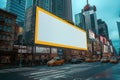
75 60
104 59
88 60
94 60
118 57
82 59
55 61
113 60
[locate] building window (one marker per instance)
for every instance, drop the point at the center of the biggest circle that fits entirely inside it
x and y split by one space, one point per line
4 28
4 37
9 20
0 27
0 37
1 17
9 29
6 20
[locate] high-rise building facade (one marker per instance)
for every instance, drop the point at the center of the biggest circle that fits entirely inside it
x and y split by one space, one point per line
63 9
60 8
102 28
118 24
7 30
18 8
7 36
90 18
80 21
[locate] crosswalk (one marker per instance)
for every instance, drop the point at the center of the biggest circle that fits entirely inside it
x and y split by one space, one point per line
50 73
46 74
55 73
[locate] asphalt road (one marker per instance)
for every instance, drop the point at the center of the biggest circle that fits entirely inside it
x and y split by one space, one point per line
82 71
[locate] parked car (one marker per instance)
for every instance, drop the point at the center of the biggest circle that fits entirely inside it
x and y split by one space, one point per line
94 60
55 61
118 57
104 59
88 60
82 59
113 60
75 60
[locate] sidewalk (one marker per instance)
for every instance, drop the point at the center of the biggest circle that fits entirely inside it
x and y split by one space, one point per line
3 66
16 69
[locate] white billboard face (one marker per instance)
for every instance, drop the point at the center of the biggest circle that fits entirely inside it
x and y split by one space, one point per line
53 31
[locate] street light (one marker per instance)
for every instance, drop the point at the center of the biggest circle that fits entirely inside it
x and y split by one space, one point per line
21 44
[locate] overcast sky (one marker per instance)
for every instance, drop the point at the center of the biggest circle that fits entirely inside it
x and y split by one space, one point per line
2 3
107 10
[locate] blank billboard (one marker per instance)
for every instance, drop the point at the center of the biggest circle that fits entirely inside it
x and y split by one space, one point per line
53 31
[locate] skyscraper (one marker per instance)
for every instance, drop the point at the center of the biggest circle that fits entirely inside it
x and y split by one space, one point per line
102 28
80 21
18 8
89 13
63 9
60 8
118 24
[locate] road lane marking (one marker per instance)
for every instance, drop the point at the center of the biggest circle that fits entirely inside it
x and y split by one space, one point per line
50 76
46 74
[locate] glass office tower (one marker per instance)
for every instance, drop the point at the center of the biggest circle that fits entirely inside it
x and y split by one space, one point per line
17 7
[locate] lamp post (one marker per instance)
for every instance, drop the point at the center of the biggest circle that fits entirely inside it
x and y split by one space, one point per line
21 44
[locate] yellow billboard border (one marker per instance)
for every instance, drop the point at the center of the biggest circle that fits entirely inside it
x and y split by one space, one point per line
50 43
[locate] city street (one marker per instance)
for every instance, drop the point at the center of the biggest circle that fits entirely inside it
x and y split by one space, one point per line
59 40
82 71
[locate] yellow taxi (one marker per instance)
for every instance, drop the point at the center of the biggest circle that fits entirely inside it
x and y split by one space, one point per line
55 61
88 60
113 60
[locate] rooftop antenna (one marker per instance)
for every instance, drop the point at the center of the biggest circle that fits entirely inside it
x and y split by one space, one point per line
87 2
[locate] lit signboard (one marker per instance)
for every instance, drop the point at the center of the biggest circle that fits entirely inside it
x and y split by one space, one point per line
53 31
91 35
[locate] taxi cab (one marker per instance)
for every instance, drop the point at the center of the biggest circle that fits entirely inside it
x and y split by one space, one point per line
55 61
113 60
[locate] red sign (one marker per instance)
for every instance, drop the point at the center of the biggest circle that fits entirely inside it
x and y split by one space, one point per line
103 40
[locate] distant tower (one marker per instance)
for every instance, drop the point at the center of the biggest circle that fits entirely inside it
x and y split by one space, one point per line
17 7
90 18
103 28
56 7
118 24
